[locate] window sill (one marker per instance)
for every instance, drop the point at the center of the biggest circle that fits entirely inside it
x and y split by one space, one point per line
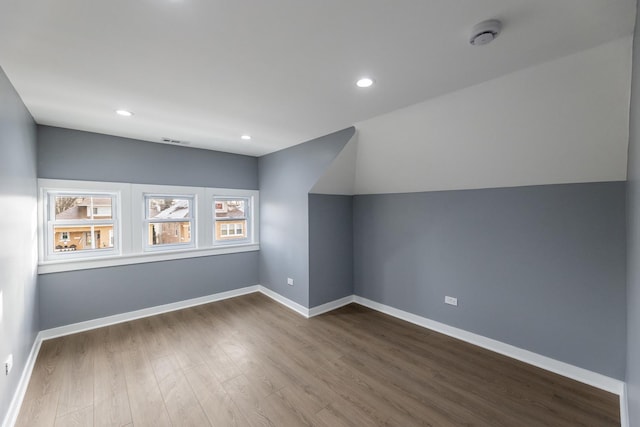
112 261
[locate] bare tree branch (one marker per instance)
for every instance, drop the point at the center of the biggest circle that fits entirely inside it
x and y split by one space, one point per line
64 203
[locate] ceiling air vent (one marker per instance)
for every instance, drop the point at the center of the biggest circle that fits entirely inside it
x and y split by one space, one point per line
175 141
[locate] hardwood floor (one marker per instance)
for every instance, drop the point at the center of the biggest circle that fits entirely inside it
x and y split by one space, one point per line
249 361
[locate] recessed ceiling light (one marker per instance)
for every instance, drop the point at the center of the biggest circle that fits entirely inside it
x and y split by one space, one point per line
124 113
246 137
364 82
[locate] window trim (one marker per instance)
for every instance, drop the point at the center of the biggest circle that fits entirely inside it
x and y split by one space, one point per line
247 218
130 230
52 223
253 215
53 186
192 220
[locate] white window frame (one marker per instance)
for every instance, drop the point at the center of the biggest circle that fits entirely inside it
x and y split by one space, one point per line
192 220
48 189
92 222
139 192
247 217
130 232
252 214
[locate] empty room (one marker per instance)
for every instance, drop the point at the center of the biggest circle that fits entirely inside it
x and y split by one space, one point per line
331 213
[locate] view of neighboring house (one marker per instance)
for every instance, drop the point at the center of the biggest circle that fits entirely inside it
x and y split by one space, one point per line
86 222
171 221
82 222
231 219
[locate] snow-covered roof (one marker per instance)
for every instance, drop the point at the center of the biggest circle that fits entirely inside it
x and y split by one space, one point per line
180 209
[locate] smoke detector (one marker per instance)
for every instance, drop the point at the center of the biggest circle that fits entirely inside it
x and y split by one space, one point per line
485 32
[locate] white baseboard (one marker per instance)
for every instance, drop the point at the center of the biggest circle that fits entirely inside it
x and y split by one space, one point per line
145 312
331 305
585 376
304 311
298 308
624 408
18 396
579 374
594 379
14 407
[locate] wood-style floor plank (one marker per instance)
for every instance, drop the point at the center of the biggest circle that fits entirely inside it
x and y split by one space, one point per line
80 418
38 410
145 399
76 390
249 361
180 401
247 397
214 400
111 399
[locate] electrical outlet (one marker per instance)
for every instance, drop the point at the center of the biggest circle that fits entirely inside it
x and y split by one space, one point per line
8 364
451 301
289 281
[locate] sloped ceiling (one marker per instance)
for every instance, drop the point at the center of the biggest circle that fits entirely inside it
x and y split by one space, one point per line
207 71
559 122
563 121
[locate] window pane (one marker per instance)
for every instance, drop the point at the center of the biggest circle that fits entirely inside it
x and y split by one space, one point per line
229 209
82 237
77 206
169 233
231 230
168 208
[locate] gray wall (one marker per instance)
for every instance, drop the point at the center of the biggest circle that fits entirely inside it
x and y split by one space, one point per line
633 241
286 177
330 248
18 253
541 268
73 154
77 296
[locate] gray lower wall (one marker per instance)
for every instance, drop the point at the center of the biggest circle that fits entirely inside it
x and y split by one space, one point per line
541 268
19 251
77 296
286 177
633 241
330 248
74 154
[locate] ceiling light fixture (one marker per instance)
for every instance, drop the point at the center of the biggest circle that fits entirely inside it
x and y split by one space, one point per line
485 32
364 82
124 113
246 137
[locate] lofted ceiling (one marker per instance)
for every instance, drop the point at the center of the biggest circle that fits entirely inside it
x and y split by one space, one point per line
283 71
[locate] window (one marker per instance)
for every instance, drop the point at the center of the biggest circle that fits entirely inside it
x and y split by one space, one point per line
231 218
73 225
89 224
169 221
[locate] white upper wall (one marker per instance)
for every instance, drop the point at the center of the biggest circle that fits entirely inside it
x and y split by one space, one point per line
563 121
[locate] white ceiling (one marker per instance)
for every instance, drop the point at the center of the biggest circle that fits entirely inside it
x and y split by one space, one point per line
207 71
562 121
